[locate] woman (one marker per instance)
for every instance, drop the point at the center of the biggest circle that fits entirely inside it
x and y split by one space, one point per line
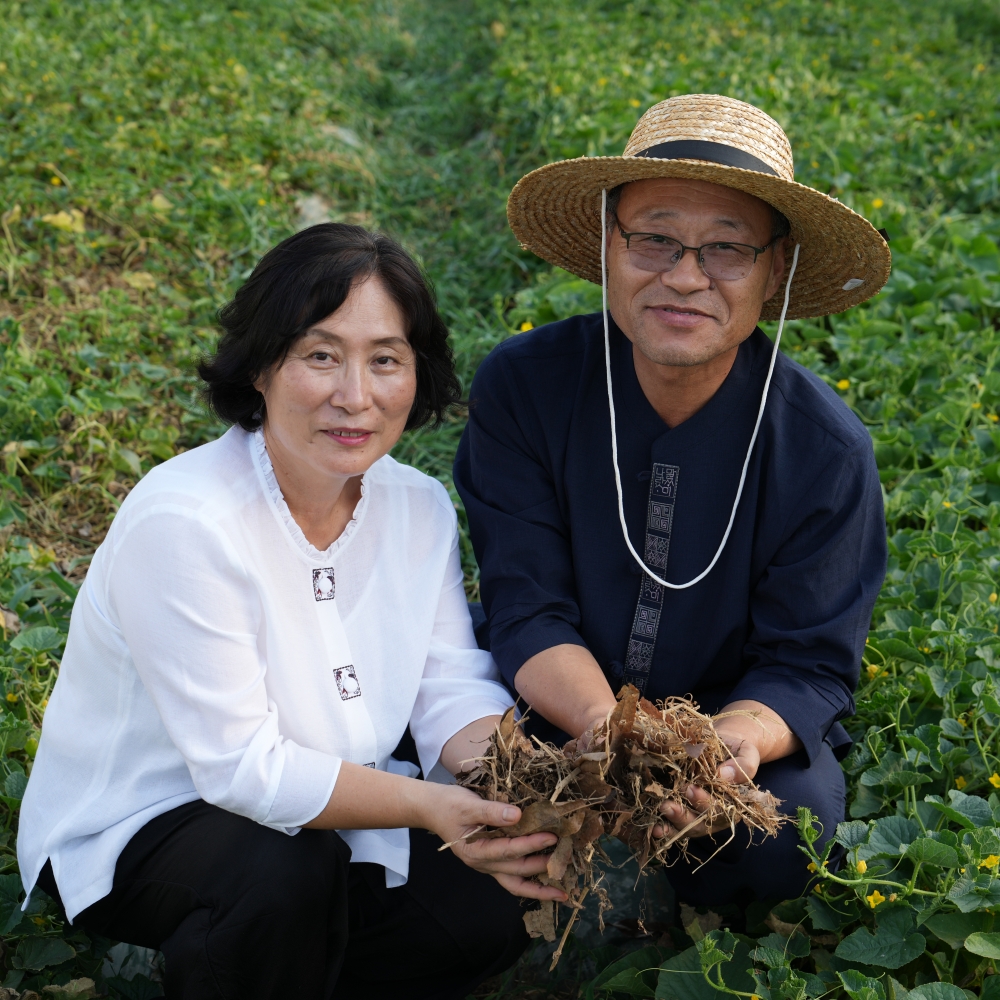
266 615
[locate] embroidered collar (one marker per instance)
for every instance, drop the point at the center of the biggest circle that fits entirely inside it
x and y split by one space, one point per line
278 499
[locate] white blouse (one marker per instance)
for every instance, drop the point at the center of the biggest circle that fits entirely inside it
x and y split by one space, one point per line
214 653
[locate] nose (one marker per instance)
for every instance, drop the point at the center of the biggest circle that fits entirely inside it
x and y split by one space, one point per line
351 391
688 275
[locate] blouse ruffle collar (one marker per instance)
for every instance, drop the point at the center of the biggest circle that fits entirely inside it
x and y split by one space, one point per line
278 499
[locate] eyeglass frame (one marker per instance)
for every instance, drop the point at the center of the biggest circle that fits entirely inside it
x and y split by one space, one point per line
757 251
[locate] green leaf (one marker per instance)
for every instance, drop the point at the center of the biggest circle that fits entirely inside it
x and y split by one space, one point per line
681 976
15 784
894 772
38 953
937 991
991 988
894 990
893 944
954 928
851 834
861 987
38 640
865 802
900 649
770 957
831 914
985 944
11 891
889 838
969 811
932 852
643 964
630 981
716 947
141 988
944 681
796 946
975 893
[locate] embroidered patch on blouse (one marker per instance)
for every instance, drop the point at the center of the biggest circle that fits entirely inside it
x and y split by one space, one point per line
347 682
324 586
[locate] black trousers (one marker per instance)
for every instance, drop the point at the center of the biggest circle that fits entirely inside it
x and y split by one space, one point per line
239 910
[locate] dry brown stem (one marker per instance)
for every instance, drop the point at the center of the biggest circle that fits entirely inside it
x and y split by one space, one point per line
614 782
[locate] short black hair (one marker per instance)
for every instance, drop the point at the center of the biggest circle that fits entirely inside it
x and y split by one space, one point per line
780 226
302 281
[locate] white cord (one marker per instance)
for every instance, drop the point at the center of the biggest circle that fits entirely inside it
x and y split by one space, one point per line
611 408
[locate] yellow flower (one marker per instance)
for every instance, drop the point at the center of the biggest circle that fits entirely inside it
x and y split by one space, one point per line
872 671
962 722
812 866
947 503
527 325
861 867
875 898
844 383
261 201
960 782
633 103
877 203
55 181
993 598
11 697
977 406
991 862
119 119
993 417
814 164
995 780
602 81
818 889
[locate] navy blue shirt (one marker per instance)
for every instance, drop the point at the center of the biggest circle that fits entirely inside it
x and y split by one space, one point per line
783 616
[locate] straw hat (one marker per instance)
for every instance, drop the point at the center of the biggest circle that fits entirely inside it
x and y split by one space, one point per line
555 211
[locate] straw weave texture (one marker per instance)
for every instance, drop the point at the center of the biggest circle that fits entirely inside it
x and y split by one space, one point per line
555 211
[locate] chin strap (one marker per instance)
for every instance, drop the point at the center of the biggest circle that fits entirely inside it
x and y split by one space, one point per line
611 410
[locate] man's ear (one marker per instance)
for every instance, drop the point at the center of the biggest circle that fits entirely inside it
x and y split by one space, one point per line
777 270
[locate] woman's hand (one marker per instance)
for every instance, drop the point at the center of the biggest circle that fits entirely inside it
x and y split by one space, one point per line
454 813
755 735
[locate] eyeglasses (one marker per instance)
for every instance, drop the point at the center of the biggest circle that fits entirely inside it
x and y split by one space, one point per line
658 253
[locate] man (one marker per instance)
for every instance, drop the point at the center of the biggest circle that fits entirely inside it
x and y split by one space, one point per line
702 215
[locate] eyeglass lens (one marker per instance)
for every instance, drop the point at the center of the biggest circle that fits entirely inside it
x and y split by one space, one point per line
725 261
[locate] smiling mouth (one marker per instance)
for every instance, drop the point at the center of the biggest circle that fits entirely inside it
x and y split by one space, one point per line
349 437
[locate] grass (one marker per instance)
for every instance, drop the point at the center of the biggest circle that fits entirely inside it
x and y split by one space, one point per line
151 151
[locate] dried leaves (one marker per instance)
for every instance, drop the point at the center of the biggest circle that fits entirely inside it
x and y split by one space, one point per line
613 782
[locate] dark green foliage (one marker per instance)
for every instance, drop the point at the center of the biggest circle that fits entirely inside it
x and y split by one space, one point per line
149 152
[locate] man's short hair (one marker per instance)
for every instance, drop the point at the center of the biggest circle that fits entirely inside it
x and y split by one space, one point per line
780 226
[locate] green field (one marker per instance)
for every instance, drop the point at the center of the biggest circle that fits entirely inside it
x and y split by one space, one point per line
151 151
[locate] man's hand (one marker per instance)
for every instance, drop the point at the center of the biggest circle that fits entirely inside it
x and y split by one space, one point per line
755 736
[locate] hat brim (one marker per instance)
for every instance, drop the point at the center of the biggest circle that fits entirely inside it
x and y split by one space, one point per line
555 212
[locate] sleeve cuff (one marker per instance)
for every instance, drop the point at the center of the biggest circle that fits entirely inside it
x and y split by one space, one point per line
307 781
433 730
809 713
513 645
